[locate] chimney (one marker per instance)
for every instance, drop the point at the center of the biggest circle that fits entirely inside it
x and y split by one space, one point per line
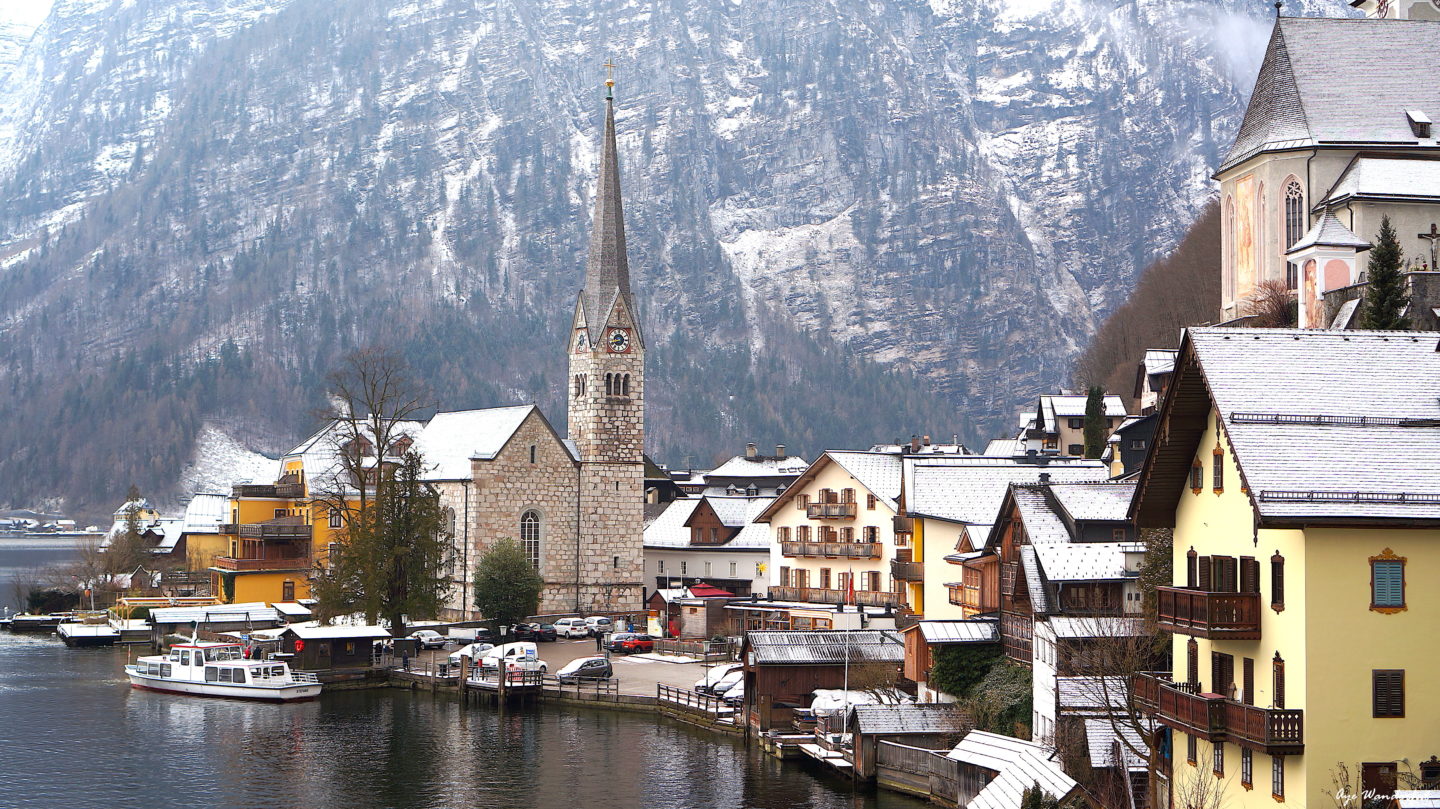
1045 477
750 450
780 451
927 440
914 444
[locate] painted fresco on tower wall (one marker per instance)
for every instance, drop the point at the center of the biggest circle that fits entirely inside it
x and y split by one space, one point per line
1312 309
1244 237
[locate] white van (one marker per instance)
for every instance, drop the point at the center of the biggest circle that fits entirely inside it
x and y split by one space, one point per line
518 656
572 628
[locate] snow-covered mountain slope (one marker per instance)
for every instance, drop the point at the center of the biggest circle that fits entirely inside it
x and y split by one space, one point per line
957 189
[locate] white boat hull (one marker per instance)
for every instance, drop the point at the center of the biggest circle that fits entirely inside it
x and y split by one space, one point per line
263 692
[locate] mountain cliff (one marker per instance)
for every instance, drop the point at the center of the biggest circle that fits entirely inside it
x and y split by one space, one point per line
848 220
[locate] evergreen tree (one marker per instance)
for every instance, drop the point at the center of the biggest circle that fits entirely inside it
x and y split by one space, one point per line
507 586
1385 299
1036 797
1095 422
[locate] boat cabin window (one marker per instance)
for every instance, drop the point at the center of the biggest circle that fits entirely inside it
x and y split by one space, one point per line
239 675
174 655
165 669
211 674
277 671
185 657
226 676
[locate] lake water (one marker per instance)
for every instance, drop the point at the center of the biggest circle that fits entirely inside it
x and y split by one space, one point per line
72 733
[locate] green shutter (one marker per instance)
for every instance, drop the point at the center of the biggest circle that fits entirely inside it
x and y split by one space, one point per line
1388 588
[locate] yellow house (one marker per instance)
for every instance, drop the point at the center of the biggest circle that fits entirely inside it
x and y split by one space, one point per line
278 534
1297 469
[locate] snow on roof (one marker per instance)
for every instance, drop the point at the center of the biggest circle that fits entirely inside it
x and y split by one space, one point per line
1020 765
876 471
824 646
1034 580
1003 447
968 631
310 631
1073 627
451 440
760 466
1067 405
970 490
668 530
1101 500
1085 561
319 454
205 512
215 613
1042 525
1300 416
1329 232
1101 736
906 719
1091 693
291 609
1159 360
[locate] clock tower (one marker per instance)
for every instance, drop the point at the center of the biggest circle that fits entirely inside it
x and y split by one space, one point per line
606 350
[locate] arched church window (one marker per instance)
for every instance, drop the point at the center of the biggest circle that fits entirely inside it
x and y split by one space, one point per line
608 390
1294 212
530 537
625 385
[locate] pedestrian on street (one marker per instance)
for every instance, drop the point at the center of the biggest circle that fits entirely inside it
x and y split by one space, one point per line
405 659
599 642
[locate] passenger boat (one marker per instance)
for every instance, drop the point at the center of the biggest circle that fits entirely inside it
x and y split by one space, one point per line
221 670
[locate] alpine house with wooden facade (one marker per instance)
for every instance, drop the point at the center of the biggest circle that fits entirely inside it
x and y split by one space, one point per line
1298 471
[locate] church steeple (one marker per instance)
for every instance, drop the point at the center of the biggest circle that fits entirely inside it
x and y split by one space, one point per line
607 272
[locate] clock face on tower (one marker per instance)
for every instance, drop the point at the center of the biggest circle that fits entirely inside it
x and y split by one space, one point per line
619 341
582 342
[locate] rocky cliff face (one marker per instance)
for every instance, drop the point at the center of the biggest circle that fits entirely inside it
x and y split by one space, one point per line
834 208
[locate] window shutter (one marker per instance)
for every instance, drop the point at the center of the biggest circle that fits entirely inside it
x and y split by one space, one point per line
1387 583
1225 573
1277 582
1203 568
1190 564
1197 477
1388 686
1192 661
1222 673
1249 575
1279 681
1248 685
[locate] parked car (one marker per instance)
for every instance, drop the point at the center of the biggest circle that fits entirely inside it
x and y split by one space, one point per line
535 631
517 656
572 628
715 675
599 625
735 694
471 634
585 668
474 651
729 681
634 643
613 641
430 639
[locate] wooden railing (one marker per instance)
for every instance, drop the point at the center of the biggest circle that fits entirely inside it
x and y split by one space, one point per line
844 550
830 511
817 595
262 530
705 650
1209 614
1275 731
692 701
907 571
280 563
608 687
287 491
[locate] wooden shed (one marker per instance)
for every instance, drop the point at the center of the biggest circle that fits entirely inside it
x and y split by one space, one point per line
782 668
930 725
324 648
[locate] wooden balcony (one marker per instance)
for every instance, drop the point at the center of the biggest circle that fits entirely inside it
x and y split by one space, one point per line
287 491
834 550
1217 616
1181 706
957 594
1276 731
830 511
281 528
277 563
907 571
817 595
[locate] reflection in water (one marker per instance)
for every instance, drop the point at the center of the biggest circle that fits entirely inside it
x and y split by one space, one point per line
71 728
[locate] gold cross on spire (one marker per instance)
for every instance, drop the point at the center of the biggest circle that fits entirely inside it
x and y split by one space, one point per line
609 74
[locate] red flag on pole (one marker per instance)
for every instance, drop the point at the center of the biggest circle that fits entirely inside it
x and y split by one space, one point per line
850 587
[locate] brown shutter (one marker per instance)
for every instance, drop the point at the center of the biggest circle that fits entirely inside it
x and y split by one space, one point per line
1192 661
1226 574
1277 582
1388 692
1222 673
1190 564
1249 575
1279 682
1203 568
1248 686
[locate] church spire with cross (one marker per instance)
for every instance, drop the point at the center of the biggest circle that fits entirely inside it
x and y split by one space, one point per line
607 270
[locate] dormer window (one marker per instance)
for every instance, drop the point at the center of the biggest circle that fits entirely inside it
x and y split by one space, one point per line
1419 123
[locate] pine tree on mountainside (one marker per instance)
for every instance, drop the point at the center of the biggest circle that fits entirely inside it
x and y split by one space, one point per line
1095 422
1384 303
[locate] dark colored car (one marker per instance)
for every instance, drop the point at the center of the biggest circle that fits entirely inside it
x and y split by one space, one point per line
586 668
633 643
612 643
534 632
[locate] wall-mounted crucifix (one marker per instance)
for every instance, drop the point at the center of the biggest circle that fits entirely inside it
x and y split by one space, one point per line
1433 237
